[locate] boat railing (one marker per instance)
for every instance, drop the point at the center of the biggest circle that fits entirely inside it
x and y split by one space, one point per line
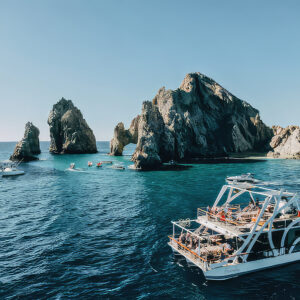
212 259
194 254
217 217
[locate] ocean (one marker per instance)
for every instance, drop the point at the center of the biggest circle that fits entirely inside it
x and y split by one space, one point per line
102 233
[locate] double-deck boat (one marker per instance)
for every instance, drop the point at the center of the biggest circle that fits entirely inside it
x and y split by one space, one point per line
247 229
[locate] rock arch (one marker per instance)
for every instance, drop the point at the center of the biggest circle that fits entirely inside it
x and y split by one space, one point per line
123 137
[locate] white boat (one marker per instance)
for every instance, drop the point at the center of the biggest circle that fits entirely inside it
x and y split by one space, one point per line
244 178
233 238
12 171
171 163
9 168
118 167
109 162
133 167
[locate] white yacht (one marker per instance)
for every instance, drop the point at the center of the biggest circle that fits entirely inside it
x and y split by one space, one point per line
244 178
246 230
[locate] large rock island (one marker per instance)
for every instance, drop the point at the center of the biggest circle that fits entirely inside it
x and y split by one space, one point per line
286 142
29 146
69 132
199 119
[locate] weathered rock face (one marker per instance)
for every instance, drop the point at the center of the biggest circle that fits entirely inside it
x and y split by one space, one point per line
151 136
200 119
286 142
69 132
29 146
123 137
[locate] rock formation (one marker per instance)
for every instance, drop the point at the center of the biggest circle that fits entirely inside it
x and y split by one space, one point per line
286 142
123 137
199 119
29 146
69 132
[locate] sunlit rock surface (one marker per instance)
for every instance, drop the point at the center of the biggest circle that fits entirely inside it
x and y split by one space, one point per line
29 146
69 132
123 137
199 119
286 142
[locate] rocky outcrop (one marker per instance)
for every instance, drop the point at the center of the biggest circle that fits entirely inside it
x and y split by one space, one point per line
285 143
29 146
199 119
69 132
123 137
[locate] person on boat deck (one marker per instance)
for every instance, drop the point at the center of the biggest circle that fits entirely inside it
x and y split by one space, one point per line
182 238
227 248
208 211
193 243
257 202
223 256
188 241
225 210
222 215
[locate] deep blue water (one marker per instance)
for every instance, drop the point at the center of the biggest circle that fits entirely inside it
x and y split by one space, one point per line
103 233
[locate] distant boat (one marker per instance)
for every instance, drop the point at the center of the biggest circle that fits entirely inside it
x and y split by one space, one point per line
118 167
244 178
90 163
171 163
106 162
133 167
10 169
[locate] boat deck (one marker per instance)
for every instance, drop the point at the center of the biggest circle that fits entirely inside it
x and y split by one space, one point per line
190 255
225 228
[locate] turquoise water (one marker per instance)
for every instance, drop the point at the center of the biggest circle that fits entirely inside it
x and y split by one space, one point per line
103 233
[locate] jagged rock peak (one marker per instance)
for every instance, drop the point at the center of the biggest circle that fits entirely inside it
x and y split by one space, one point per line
286 142
69 132
29 146
199 119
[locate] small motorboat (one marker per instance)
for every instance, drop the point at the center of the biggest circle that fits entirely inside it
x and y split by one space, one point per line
12 171
133 167
90 164
99 164
171 163
118 167
109 162
73 168
244 178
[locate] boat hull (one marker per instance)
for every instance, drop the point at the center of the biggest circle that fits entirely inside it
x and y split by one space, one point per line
12 173
236 270
232 271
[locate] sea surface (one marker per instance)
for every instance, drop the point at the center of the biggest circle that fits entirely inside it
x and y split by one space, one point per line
102 233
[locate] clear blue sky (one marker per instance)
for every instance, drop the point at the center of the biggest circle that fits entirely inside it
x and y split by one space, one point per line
109 56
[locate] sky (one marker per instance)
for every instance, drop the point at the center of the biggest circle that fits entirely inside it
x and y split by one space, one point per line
110 56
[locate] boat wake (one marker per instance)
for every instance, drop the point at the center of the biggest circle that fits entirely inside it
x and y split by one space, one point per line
75 170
